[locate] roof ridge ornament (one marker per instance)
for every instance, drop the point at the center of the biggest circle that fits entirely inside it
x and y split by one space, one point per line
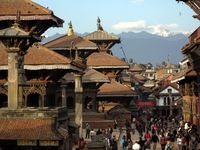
70 29
99 26
17 21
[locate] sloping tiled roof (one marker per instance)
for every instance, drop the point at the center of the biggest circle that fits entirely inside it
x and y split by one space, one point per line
178 76
140 77
115 89
162 88
135 68
39 54
101 35
65 42
105 60
191 73
28 129
90 75
39 57
28 11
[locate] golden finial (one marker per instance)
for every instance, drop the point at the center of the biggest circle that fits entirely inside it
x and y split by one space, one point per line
70 29
99 27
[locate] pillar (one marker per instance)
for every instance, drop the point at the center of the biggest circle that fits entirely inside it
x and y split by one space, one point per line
64 99
13 79
20 97
21 78
43 100
40 101
25 100
79 103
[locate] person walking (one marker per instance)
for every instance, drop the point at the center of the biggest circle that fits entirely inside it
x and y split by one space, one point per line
141 142
87 131
154 140
113 143
124 142
147 145
130 143
179 142
163 141
136 146
147 136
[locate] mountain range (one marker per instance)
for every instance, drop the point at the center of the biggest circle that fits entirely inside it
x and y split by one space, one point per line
144 47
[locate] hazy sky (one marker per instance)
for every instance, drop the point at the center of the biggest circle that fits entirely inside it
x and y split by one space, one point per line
156 16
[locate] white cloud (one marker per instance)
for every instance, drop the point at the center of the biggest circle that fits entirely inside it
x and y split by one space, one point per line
163 30
141 25
128 26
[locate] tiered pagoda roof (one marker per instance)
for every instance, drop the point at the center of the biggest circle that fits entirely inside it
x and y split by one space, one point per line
99 60
70 42
115 89
90 76
39 57
103 39
101 35
33 17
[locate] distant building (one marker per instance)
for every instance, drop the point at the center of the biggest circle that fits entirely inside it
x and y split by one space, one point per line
165 98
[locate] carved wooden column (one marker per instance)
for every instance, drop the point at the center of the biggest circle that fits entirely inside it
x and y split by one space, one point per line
21 79
64 99
17 41
79 102
25 100
43 100
13 78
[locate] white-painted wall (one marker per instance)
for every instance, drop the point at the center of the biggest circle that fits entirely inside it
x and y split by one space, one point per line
173 96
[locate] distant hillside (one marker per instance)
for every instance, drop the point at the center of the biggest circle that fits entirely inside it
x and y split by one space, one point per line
144 47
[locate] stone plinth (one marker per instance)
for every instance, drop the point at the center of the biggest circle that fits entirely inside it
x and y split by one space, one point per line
59 113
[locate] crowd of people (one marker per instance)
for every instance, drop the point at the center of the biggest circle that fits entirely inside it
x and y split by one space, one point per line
168 134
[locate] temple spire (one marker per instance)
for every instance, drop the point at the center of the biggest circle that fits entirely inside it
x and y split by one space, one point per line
70 29
99 27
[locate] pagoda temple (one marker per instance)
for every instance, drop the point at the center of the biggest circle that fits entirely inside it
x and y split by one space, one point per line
32 114
111 66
